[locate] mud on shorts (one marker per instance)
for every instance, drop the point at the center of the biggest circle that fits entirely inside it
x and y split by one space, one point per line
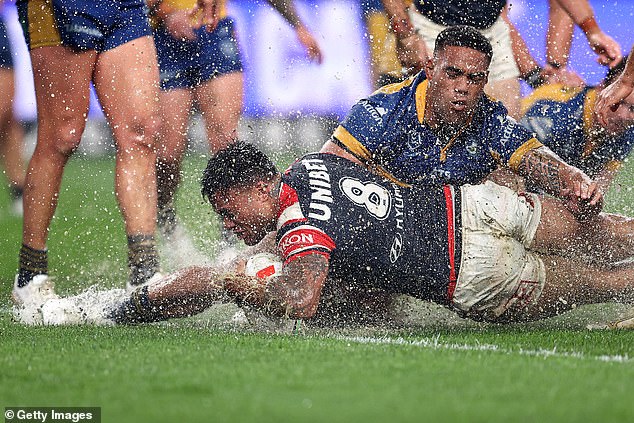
499 35
83 24
497 271
6 59
187 64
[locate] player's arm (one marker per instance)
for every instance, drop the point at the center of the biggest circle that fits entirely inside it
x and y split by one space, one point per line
410 47
176 21
611 97
603 45
582 196
205 12
295 293
287 9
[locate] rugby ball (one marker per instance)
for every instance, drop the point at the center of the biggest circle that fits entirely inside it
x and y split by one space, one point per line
263 265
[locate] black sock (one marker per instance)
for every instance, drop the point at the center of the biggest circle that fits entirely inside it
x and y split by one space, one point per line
143 259
136 309
16 191
32 263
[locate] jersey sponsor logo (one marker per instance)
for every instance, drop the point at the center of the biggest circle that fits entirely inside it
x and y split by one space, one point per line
81 29
321 189
509 130
397 248
376 113
376 199
295 238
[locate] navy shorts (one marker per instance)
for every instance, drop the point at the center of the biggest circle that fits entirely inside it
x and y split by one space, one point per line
187 64
83 24
6 60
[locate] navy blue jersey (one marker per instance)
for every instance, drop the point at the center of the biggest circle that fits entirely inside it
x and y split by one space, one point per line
386 131
478 13
563 120
6 59
372 231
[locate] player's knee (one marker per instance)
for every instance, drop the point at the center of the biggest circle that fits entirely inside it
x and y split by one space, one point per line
138 134
65 132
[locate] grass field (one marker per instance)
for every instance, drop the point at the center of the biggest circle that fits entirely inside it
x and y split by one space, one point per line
202 369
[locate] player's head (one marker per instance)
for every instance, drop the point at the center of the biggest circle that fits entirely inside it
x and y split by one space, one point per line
240 182
457 74
622 119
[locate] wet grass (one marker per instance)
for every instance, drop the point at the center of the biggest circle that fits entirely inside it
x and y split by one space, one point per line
199 369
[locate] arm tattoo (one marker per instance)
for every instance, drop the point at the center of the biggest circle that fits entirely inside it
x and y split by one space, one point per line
542 169
296 293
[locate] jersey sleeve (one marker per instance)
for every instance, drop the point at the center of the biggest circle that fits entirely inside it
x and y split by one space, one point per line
508 140
297 235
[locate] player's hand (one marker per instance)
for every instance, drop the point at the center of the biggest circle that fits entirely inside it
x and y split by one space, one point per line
611 97
609 51
584 199
179 25
205 12
563 76
412 53
310 44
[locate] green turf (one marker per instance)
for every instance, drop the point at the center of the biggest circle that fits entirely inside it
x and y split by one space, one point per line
440 369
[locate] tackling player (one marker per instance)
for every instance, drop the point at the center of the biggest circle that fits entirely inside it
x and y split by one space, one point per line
440 127
481 250
564 120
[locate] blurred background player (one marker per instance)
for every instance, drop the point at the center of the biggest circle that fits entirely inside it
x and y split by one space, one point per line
563 119
203 67
417 25
11 131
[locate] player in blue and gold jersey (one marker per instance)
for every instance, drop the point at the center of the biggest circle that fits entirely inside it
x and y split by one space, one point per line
564 120
203 66
439 127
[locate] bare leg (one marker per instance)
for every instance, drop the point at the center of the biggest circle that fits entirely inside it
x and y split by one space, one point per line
10 132
126 80
508 92
62 80
606 239
176 106
571 283
220 101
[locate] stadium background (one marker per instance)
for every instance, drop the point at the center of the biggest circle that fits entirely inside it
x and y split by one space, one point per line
292 102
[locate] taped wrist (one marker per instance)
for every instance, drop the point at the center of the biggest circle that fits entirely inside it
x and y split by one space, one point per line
534 77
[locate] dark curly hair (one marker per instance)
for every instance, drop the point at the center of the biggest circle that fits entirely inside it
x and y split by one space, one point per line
240 164
463 36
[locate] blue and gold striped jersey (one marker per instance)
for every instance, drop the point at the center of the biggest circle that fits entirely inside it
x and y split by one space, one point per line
562 118
386 132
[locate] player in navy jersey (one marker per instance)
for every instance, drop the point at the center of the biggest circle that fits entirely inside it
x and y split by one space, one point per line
440 127
482 250
563 118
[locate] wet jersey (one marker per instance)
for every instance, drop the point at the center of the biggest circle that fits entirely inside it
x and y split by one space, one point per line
386 132
477 13
372 231
562 119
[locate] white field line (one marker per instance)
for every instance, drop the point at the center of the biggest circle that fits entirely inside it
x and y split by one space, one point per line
436 344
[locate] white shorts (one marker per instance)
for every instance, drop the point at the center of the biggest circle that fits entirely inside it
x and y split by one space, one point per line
503 64
497 271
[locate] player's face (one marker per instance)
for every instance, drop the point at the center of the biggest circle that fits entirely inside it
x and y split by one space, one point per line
246 211
622 119
457 76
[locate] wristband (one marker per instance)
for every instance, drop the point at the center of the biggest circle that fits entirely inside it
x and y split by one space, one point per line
555 65
589 25
534 78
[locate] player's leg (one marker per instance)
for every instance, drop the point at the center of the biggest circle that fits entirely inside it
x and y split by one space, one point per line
176 107
126 80
220 101
508 92
606 239
571 283
61 79
11 139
